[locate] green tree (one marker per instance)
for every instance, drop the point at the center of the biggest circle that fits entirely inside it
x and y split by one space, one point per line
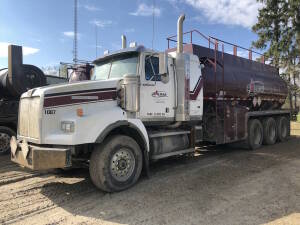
291 48
269 29
278 30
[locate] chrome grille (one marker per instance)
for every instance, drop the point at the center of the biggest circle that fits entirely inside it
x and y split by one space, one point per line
29 117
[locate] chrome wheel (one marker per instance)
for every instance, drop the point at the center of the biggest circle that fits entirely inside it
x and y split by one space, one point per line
122 165
4 142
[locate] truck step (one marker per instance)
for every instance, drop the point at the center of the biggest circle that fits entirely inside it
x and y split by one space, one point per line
168 154
167 133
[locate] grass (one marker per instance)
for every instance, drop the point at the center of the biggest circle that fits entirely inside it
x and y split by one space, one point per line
295 128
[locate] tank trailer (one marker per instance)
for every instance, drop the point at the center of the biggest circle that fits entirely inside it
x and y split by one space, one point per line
15 80
141 105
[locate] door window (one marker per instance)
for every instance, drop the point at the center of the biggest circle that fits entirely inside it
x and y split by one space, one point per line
152 68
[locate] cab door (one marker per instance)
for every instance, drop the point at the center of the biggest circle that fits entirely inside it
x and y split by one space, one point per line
157 98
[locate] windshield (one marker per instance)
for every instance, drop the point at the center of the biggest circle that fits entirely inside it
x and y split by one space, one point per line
116 67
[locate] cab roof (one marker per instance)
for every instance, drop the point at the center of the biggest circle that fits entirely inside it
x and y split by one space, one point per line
124 51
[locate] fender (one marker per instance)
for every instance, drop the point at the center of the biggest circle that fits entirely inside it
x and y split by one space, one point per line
139 127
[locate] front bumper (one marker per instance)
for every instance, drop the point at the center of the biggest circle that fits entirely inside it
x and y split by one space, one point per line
37 157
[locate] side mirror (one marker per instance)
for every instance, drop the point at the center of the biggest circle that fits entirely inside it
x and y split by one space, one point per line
163 63
163 67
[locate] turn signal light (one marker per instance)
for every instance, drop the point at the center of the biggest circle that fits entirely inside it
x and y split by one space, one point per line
80 112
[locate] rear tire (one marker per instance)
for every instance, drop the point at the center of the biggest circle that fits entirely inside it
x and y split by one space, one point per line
255 134
270 131
283 129
5 136
117 164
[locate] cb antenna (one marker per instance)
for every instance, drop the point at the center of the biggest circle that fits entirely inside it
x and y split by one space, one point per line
75 59
96 34
153 25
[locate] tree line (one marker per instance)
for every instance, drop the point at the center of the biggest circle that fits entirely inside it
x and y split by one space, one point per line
278 30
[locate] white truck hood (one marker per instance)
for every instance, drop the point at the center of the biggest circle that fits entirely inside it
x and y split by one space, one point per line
74 93
69 88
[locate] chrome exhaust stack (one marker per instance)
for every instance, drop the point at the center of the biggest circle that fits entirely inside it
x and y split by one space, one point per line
180 33
124 43
182 75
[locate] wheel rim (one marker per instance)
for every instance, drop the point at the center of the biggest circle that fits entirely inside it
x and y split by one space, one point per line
272 132
257 136
4 142
122 165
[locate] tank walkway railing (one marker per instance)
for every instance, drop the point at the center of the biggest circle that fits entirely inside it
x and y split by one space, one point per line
215 42
211 42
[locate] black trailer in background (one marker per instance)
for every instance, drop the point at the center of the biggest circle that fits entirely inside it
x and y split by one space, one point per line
15 80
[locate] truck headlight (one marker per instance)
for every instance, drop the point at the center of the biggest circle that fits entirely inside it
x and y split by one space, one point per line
67 126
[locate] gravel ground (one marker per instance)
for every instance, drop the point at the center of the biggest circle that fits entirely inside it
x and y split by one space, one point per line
216 186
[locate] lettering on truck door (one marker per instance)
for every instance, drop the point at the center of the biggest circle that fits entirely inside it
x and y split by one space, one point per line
157 97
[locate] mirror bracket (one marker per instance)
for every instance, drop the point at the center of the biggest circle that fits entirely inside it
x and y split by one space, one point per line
163 67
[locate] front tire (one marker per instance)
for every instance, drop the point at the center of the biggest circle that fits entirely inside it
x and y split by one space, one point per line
5 136
117 164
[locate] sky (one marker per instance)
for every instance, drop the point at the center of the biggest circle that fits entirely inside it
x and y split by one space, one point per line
45 27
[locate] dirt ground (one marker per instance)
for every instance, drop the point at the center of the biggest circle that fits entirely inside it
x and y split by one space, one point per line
217 186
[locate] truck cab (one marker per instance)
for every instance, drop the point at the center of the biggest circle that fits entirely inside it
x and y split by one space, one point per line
131 111
155 75
139 105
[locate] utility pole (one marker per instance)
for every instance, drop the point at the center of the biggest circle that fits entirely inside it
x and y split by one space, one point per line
75 59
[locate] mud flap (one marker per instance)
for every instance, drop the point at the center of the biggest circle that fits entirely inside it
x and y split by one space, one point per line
146 163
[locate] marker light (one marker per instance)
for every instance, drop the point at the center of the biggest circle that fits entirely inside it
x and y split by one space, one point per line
132 44
79 112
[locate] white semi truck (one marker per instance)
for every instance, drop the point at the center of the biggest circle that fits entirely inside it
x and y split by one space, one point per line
141 105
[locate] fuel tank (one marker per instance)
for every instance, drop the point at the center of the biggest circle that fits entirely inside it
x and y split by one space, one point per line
253 84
